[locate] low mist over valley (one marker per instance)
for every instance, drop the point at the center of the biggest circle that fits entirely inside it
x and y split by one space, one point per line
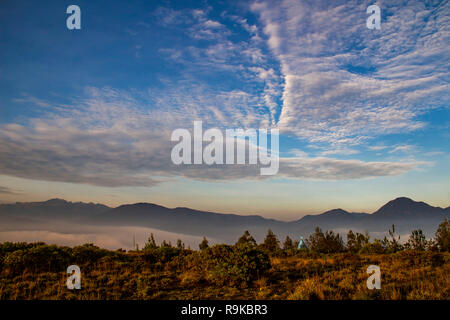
72 223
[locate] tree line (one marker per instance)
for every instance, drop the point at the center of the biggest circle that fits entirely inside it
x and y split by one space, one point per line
331 242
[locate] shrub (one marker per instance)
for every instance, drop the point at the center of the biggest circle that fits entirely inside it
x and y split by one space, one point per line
417 241
376 247
88 253
234 265
40 258
442 237
160 255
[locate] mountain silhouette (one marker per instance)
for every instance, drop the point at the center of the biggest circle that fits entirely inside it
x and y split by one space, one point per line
405 208
405 213
332 219
53 209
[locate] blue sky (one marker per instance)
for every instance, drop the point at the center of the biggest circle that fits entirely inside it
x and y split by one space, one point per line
86 115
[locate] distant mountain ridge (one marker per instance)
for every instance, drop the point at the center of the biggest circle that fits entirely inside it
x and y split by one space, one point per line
405 213
53 208
406 208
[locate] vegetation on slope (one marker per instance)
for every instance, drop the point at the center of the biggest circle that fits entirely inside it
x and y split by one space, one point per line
330 269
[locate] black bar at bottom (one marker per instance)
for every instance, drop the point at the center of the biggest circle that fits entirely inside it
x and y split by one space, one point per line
228 309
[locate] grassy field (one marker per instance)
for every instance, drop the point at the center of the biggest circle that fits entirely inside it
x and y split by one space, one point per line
38 271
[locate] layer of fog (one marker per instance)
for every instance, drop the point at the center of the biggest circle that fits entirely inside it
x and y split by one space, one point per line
106 237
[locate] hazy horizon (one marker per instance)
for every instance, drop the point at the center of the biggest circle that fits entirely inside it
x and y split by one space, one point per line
276 217
60 224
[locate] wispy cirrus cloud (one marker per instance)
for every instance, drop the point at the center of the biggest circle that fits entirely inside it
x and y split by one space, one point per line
233 52
345 84
402 148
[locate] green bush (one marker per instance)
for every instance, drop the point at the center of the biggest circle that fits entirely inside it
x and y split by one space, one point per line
40 258
160 256
88 253
235 265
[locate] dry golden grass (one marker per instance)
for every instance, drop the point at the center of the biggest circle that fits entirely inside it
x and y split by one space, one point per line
404 275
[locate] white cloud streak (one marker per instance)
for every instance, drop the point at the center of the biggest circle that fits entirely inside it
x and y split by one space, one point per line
344 83
111 140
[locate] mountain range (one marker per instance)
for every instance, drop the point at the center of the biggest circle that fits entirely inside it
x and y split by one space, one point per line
405 213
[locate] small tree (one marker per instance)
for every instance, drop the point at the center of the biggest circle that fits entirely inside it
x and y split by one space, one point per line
271 243
288 244
328 242
355 242
151 243
333 242
442 237
204 244
166 244
394 244
417 241
180 244
351 242
316 241
246 239
362 239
